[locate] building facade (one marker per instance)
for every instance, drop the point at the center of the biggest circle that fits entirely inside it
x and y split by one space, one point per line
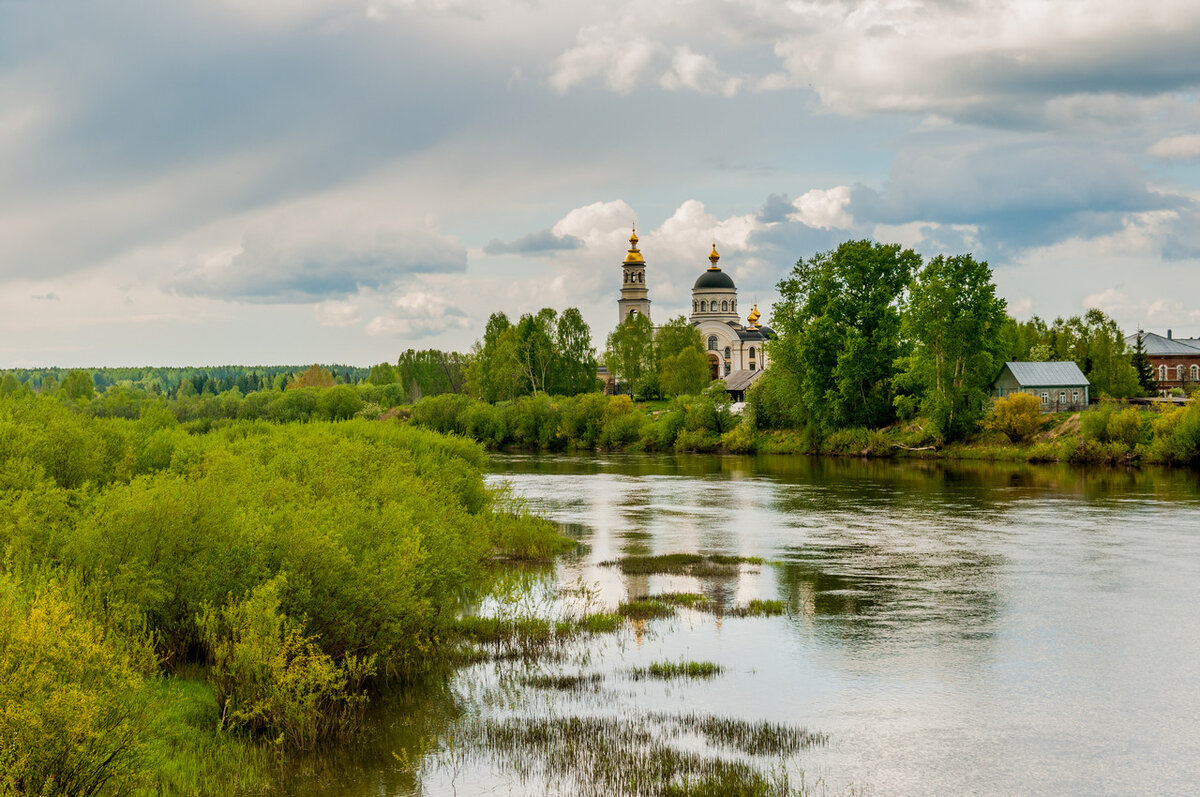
1059 386
1174 361
731 346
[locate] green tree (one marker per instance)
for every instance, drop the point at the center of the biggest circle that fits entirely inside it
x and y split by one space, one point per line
575 367
630 352
494 373
382 374
679 353
535 348
953 321
79 385
315 376
1141 364
838 322
10 384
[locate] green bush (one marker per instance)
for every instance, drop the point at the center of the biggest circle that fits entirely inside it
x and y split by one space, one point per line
1018 417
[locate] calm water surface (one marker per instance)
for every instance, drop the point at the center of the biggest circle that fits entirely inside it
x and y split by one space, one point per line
968 629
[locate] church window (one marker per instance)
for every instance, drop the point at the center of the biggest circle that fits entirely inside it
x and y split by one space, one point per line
712 340
1162 373
727 368
633 312
752 365
1179 372
728 352
733 305
702 306
1195 373
751 352
724 307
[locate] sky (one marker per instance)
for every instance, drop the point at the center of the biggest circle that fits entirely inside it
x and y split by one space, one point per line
208 182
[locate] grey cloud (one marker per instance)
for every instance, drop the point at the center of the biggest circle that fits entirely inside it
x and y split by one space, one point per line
535 243
1020 194
297 267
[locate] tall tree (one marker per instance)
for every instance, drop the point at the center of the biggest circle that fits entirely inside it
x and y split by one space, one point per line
682 363
382 374
953 322
494 373
79 385
838 321
1141 364
535 348
575 371
630 353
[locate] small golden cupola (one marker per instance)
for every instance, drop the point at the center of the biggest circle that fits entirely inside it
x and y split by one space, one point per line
713 257
634 256
754 316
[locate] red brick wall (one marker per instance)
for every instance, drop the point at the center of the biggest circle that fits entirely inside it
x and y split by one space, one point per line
1172 361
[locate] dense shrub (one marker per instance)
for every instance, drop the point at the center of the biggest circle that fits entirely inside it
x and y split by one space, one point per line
1018 417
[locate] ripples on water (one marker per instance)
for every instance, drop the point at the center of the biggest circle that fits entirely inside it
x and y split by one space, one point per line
973 629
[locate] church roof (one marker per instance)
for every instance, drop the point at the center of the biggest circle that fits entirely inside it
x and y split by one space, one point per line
714 278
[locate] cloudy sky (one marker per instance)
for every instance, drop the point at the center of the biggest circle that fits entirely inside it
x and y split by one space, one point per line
289 181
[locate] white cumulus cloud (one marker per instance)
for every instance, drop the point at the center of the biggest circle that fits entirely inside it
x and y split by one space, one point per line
824 208
1177 147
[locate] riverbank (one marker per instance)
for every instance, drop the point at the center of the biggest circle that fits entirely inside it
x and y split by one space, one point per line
1109 433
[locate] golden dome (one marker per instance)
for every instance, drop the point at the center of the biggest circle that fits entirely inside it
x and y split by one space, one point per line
754 315
713 257
634 255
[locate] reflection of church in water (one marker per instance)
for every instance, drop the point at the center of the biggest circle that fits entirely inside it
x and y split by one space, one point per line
735 351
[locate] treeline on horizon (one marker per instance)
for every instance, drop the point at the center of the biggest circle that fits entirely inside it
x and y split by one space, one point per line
869 335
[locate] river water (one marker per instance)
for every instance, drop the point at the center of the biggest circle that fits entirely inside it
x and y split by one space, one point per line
953 629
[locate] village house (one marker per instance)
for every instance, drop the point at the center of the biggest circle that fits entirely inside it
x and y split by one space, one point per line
1174 361
1060 386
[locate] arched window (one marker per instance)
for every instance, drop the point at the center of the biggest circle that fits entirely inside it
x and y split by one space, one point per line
695 305
1179 372
733 305
702 307
724 307
1162 373
728 352
633 312
1196 373
727 368
712 341
751 352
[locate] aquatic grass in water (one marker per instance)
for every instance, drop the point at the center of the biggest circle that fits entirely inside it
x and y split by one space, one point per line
565 682
689 600
601 623
687 564
758 608
666 670
590 756
645 609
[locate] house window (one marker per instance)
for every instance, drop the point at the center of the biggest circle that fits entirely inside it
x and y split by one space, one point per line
1074 396
1196 373
724 307
1179 372
1162 373
1062 397
1045 397
712 341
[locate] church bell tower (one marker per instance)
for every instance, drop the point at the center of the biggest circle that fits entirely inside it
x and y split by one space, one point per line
634 296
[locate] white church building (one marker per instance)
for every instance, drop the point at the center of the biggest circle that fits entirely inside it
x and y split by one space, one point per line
735 350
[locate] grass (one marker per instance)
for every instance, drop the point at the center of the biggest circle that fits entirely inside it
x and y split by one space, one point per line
689 600
602 756
758 608
668 670
564 682
601 623
687 564
645 609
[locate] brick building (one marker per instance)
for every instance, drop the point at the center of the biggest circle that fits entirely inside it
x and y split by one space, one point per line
1175 361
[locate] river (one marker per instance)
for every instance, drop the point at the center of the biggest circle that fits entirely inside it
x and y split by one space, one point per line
950 628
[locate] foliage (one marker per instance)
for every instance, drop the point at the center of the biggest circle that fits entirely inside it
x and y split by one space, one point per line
629 355
542 353
78 386
681 361
1017 416
952 321
314 376
72 703
271 679
1093 341
1141 365
838 321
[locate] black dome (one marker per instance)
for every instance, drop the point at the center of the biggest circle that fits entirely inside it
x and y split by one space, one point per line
714 278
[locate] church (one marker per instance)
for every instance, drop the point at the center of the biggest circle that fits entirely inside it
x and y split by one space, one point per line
735 350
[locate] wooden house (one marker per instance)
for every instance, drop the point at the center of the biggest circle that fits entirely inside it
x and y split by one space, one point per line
1060 386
